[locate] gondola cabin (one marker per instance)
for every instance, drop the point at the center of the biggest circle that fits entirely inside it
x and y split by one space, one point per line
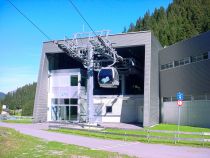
108 77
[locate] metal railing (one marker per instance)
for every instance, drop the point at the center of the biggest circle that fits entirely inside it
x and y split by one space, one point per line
146 134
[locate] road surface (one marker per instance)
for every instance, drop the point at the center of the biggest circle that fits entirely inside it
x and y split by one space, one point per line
138 149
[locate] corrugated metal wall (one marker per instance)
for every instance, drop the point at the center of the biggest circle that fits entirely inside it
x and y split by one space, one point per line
193 113
193 78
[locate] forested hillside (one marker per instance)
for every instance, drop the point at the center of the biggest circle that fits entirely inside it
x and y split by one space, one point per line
22 98
2 95
181 20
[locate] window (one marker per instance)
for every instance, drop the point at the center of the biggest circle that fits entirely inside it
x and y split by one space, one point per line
105 76
66 101
167 66
166 99
54 101
162 67
193 59
108 109
170 65
74 80
199 58
181 62
205 56
176 63
187 61
74 101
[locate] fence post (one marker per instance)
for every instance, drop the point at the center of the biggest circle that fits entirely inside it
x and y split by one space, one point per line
175 138
148 135
125 136
203 138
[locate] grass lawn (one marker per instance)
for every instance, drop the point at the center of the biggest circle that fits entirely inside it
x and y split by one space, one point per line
15 144
170 127
142 132
25 121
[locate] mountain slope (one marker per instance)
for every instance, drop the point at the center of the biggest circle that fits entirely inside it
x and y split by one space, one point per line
2 95
181 20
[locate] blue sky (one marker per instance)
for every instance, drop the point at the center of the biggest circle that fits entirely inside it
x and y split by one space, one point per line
21 43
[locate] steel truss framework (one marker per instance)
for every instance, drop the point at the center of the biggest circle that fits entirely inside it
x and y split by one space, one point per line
95 53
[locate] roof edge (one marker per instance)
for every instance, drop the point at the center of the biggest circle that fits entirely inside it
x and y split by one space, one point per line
137 32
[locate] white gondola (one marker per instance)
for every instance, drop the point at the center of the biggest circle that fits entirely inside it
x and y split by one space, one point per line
108 77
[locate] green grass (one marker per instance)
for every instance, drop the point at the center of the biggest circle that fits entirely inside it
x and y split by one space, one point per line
170 127
24 121
15 144
143 132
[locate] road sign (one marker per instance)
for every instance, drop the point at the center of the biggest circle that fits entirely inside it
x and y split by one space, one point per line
180 96
179 103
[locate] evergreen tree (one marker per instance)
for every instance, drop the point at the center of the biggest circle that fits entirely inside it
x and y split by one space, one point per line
181 20
22 98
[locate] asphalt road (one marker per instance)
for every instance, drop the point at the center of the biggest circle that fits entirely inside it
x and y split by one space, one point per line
138 149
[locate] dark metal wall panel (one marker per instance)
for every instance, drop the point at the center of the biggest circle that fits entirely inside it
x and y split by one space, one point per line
193 78
191 47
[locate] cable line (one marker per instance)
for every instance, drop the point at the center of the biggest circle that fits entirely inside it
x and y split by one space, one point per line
77 10
43 33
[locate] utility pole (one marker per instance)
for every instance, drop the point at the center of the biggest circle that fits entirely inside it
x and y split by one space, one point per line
90 71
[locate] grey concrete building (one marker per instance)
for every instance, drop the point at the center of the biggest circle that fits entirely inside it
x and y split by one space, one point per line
145 96
185 67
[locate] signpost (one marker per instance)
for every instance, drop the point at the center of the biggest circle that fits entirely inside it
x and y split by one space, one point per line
180 98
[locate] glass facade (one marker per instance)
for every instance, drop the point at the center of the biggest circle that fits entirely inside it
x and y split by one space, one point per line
64 109
68 113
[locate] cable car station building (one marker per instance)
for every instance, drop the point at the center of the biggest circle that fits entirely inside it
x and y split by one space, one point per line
146 89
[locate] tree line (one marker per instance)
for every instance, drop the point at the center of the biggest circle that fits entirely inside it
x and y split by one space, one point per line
22 98
182 19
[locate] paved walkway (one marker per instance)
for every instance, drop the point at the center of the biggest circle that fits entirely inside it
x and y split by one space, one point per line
138 149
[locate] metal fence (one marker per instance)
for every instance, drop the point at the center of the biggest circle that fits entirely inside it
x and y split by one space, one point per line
11 117
147 134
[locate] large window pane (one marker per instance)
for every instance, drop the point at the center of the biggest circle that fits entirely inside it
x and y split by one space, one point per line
73 101
66 101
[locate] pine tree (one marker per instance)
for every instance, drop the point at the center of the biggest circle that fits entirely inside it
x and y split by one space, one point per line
181 20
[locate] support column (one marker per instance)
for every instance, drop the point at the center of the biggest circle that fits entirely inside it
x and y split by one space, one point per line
90 106
123 84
